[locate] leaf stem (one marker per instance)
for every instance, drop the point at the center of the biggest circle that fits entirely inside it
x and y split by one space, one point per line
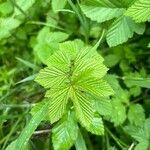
118 142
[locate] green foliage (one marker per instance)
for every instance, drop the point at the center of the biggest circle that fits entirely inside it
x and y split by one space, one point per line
141 134
122 28
6 25
140 11
58 5
107 9
135 111
21 142
91 58
65 133
23 5
47 43
142 82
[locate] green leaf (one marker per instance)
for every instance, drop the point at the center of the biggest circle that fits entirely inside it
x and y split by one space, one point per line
26 63
138 81
48 43
97 126
75 73
136 114
99 88
58 5
23 5
80 142
37 107
122 29
141 134
101 10
59 99
50 77
111 60
103 106
6 8
135 91
84 107
65 133
144 145
140 11
21 142
7 24
13 144
118 113
29 78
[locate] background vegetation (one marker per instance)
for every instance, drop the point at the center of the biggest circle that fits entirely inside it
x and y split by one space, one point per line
33 31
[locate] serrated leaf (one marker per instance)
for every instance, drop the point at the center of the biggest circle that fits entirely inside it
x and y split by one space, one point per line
65 133
84 107
80 142
122 29
118 114
50 77
99 88
58 103
97 126
136 114
140 11
101 10
7 24
58 5
21 142
141 134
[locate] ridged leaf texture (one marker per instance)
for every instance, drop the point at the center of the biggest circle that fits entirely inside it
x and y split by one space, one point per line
101 10
140 11
73 78
65 133
122 29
